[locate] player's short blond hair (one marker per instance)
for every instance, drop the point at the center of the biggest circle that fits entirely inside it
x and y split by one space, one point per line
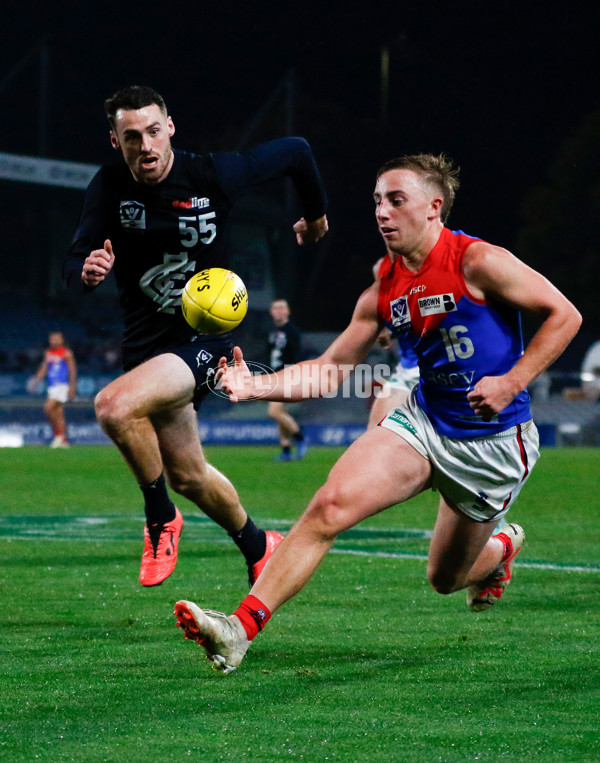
438 171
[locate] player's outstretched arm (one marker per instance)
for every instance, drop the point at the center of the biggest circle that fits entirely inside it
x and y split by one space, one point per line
310 232
310 378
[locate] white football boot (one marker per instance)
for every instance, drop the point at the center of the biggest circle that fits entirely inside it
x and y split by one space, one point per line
223 638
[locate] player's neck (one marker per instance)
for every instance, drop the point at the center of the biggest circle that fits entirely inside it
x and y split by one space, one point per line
415 257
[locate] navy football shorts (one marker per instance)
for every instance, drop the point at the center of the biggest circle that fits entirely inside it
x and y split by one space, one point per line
201 353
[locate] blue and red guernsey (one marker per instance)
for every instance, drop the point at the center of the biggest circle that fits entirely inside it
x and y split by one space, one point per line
58 370
458 338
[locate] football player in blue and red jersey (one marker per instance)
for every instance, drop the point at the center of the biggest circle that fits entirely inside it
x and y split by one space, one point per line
60 370
466 428
153 220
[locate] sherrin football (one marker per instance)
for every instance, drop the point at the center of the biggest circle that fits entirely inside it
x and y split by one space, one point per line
214 301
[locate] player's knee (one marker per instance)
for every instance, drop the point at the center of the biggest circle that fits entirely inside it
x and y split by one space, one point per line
111 409
327 512
442 581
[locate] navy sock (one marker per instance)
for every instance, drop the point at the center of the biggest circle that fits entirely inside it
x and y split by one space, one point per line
251 541
158 506
299 436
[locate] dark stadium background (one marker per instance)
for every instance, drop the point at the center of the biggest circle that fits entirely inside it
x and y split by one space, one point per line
508 90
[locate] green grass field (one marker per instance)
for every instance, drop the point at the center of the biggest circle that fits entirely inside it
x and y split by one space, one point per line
366 664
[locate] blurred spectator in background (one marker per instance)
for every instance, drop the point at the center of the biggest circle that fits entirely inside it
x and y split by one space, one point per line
284 350
590 377
590 387
60 368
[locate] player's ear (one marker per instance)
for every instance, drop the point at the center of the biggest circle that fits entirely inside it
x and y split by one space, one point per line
436 206
170 127
114 141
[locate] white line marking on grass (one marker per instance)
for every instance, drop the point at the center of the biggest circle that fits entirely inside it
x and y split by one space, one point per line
557 566
60 532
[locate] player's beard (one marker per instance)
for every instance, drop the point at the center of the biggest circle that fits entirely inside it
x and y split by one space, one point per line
154 174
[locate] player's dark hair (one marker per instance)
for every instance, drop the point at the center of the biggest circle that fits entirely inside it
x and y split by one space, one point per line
437 170
132 98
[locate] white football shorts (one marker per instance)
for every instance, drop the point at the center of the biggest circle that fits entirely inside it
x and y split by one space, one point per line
59 392
403 378
482 476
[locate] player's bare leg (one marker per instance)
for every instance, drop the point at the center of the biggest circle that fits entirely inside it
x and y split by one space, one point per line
340 504
288 426
124 407
190 474
462 551
289 430
378 470
473 555
55 412
148 413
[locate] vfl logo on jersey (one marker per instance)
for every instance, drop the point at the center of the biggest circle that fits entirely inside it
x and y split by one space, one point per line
400 312
202 358
133 215
440 303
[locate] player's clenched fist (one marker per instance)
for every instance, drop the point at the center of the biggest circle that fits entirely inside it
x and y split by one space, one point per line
97 265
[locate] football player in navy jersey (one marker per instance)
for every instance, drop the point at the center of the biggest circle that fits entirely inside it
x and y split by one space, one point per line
284 345
154 220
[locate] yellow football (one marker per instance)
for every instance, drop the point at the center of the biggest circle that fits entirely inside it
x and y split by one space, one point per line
214 301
